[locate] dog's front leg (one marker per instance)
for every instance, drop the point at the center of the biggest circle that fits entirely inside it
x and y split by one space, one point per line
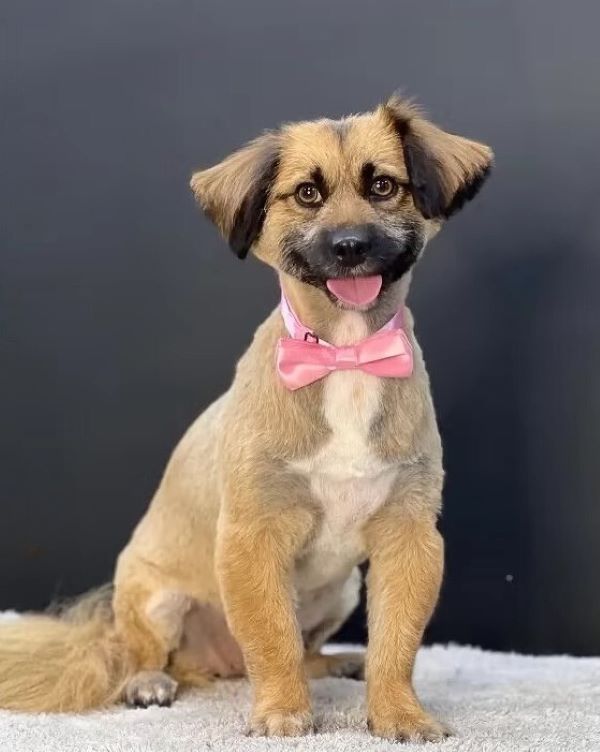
256 548
406 563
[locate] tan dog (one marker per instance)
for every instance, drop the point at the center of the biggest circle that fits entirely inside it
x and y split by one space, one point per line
246 560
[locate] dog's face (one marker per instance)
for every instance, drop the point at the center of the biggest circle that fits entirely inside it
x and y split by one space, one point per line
345 206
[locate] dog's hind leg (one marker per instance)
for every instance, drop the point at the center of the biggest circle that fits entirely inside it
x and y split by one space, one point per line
349 665
151 625
335 604
323 612
207 649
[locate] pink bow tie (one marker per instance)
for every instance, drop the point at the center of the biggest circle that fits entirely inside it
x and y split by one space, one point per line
303 359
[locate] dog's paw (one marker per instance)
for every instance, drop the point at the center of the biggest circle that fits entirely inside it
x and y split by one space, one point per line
348 665
281 723
150 688
409 727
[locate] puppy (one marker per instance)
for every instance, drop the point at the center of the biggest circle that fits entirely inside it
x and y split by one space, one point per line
324 453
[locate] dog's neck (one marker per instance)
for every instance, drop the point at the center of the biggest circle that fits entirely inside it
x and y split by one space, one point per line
318 313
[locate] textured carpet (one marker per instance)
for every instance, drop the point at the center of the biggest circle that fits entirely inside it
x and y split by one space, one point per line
496 702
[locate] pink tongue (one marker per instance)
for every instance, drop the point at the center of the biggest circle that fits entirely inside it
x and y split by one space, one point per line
357 291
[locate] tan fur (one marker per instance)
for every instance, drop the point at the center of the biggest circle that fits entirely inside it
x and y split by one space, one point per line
69 663
246 559
259 539
406 565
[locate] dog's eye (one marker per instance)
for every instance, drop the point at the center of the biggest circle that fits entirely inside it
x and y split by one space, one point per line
383 187
307 194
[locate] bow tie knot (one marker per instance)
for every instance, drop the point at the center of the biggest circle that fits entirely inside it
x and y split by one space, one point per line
346 357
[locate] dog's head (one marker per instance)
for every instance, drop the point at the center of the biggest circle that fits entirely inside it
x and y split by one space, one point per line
345 206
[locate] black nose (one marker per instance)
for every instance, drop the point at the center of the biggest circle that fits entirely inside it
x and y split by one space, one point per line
350 245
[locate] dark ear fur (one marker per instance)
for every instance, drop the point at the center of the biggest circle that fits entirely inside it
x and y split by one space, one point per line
445 171
235 193
250 215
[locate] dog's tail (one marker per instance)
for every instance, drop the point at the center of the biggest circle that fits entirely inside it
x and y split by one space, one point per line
70 659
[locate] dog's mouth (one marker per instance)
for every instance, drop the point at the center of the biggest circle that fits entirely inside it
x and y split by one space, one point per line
362 287
356 292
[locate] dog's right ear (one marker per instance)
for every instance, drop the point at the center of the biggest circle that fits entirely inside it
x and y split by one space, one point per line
235 192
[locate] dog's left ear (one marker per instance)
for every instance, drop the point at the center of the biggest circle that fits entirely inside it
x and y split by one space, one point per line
445 171
235 192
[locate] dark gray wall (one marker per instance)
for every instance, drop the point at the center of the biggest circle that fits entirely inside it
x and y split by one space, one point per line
122 312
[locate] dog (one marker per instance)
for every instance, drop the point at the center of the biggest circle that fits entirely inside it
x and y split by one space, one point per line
323 454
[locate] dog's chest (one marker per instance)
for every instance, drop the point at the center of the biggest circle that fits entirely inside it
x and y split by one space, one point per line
346 477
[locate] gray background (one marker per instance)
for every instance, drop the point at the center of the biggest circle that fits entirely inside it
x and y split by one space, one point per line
122 313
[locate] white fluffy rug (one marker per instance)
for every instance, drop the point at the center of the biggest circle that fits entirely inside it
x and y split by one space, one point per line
495 702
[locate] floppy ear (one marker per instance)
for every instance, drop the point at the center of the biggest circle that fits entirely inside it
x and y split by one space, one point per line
234 193
444 170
